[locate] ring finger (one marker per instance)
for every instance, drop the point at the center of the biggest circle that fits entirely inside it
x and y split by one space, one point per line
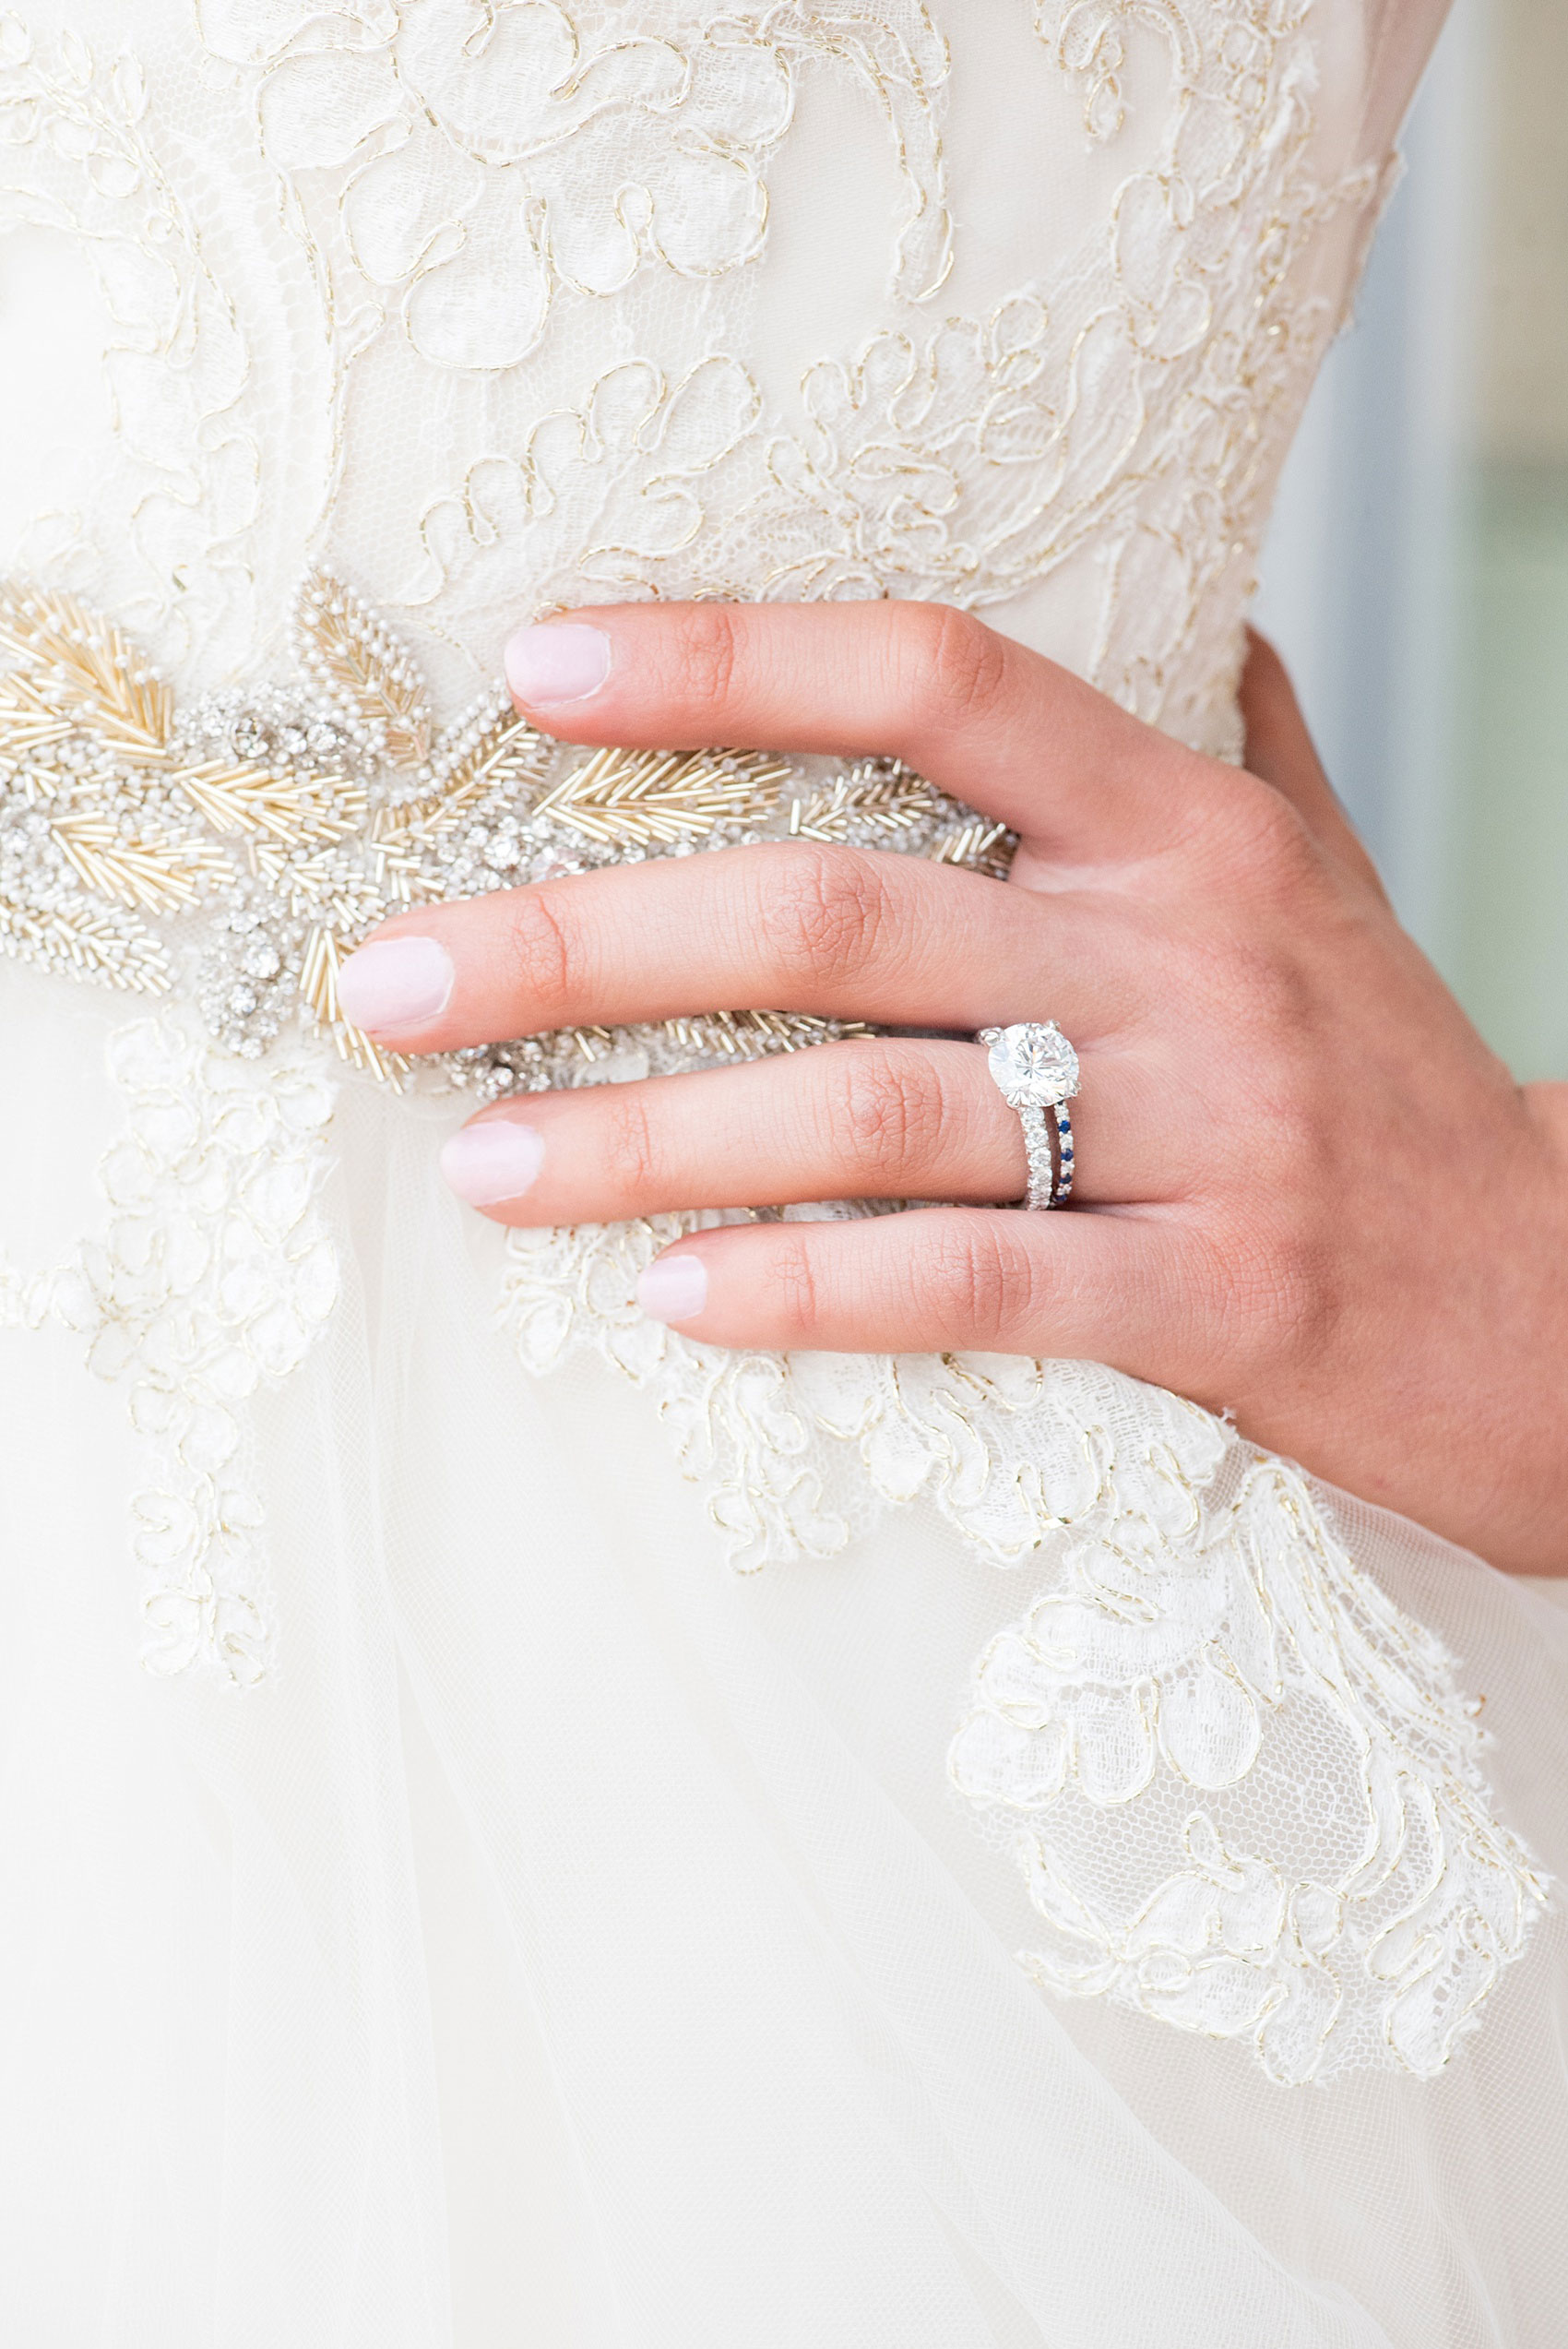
887 1118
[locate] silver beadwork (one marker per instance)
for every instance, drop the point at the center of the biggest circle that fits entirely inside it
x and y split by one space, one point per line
1035 1069
236 849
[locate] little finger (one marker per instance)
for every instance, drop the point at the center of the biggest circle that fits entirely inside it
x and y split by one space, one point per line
1107 1287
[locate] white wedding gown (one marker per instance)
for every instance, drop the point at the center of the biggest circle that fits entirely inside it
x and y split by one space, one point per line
1068 1894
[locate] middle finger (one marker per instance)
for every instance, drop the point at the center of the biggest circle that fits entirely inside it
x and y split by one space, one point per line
842 932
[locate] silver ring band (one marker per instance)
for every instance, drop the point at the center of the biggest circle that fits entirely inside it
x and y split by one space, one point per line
1035 1069
1063 1155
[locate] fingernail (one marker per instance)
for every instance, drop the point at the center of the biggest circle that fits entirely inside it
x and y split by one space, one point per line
559 661
393 983
495 1160
674 1289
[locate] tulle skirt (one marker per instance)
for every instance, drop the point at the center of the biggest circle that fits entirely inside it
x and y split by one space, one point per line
571 1943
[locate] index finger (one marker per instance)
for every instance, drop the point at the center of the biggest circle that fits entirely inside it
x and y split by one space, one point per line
983 718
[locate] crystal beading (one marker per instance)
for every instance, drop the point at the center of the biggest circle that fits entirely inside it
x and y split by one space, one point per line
235 851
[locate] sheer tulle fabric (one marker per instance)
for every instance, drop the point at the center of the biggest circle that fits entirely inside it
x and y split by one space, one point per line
576 1942
553 1937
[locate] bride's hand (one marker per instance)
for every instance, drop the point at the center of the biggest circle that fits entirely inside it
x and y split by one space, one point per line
1306 1192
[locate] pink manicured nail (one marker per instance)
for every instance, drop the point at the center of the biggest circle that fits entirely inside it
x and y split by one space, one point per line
674 1289
495 1160
559 661
393 982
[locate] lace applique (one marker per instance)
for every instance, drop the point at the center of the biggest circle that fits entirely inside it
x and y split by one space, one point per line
215 1277
1243 1788
83 157
742 1426
1007 1452
1132 408
497 162
460 183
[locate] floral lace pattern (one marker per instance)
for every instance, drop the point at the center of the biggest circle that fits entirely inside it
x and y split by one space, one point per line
86 160
550 220
1008 1453
214 1278
1361 1918
1244 1788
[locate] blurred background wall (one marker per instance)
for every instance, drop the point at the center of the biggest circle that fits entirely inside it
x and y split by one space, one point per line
1416 577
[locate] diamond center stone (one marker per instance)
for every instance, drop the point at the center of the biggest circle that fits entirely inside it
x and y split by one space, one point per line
1034 1065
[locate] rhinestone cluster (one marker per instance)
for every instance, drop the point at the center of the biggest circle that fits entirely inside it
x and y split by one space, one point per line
237 849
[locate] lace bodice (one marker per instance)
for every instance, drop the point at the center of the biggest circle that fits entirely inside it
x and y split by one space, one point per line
489 307
500 307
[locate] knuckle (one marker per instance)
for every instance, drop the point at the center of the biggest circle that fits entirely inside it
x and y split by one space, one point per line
1299 1299
822 910
1268 1000
953 667
632 1158
543 956
1266 849
1298 1307
885 1113
977 1284
706 648
792 1290
1259 1002
1272 1288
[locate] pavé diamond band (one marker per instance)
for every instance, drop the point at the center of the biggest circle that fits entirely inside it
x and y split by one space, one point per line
1035 1069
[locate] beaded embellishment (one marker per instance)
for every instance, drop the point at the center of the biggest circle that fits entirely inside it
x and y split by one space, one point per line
1196 1637
242 847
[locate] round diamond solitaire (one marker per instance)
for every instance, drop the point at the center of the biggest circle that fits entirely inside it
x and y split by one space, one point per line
1033 1064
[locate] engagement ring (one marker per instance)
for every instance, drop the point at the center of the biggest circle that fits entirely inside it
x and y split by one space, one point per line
1035 1069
